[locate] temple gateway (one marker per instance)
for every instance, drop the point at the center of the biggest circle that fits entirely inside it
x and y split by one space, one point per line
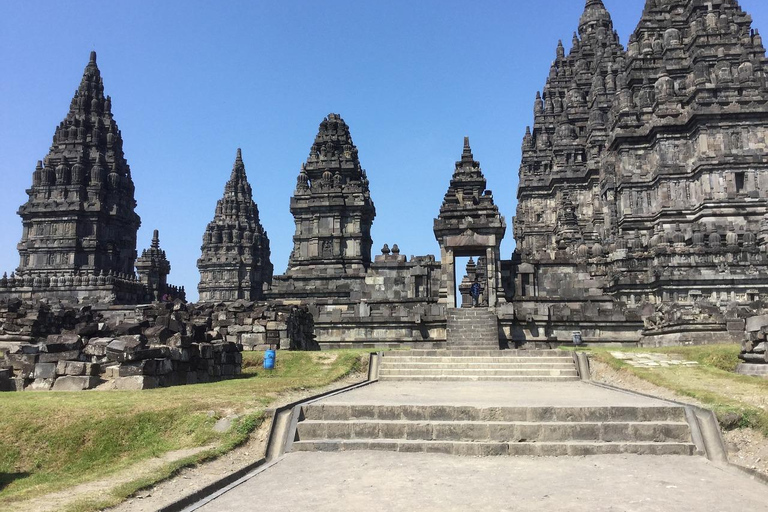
642 211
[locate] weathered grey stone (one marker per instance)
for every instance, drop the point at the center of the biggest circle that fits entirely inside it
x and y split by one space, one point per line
45 371
73 383
135 383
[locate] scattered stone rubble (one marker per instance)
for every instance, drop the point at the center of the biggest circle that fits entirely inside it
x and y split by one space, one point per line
66 348
650 360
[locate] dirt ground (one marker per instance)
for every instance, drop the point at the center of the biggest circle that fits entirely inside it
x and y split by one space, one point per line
746 447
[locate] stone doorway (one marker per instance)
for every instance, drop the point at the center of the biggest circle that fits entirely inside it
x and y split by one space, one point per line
468 270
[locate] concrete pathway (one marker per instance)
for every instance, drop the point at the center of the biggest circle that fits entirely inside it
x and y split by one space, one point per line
390 481
385 482
491 394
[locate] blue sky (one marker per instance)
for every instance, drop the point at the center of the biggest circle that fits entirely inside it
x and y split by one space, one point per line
191 81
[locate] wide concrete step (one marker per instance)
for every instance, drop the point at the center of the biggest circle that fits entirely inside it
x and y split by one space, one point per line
476 359
416 365
480 449
521 361
476 378
478 372
344 412
496 431
420 352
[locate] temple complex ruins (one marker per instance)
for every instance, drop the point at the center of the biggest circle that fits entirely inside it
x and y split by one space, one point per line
642 211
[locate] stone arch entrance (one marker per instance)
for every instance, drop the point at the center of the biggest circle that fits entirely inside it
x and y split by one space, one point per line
469 224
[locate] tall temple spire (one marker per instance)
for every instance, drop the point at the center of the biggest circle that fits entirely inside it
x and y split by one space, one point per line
80 214
235 261
561 152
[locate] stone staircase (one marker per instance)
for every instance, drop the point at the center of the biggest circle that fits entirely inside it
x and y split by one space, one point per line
472 328
478 365
472 431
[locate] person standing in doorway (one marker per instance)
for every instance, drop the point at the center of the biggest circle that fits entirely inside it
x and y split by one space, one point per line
474 291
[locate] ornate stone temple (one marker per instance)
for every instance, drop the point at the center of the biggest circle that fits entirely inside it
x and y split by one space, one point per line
643 190
80 224
235 253
354 298
333 212
469 224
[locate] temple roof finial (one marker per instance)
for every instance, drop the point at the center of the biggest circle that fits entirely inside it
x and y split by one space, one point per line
466 154
155 239
93 57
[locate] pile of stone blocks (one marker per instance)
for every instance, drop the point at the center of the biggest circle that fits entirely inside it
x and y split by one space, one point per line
135 363
55 363
259 325
65 347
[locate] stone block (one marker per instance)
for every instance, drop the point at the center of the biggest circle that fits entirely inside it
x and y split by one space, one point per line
62 343
144 367
87 329
755 323
53 357
45 371
135 383
129 328
97 347
75 368
19 361
92 369
41 384
163 366
75 383
158 334
123 347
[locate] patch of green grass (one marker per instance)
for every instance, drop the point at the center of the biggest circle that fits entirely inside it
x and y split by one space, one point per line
737 400
53 440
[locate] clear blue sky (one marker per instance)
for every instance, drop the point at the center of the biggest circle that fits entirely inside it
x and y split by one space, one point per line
193 80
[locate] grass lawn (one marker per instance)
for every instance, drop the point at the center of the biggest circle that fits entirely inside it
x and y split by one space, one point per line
52 440
738 400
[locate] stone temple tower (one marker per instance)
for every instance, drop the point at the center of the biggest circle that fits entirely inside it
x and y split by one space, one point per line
235 260
80 214
333 212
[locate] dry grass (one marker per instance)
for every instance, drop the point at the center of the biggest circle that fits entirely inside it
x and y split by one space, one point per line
52 440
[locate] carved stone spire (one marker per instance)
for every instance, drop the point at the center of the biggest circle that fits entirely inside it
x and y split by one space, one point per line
563 149
153 268
333 212
80 213
235 261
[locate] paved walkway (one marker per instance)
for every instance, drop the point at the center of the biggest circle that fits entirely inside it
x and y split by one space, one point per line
384 482
491 394
388 481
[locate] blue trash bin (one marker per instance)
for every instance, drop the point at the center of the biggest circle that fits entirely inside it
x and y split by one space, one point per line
269 360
